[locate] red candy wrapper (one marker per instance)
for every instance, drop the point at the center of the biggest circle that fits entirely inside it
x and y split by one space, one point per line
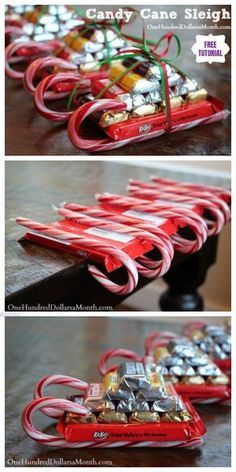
141 129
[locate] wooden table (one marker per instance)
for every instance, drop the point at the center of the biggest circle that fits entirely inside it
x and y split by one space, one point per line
39 346
38 278
28 133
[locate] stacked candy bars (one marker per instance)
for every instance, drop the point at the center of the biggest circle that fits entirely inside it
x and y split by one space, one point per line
180 361
141 91
131 395
92 45
215 340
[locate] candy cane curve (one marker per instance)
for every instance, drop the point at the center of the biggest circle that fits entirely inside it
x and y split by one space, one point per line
192 326
37 66
60 441
214 227
81 114
87 244
46 83
216 206
12 48
49 403
57 380
153 338
183 216
161 267
123 353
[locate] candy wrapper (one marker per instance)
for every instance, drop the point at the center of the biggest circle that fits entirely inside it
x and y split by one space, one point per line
215 340
113 413
142 98
180 362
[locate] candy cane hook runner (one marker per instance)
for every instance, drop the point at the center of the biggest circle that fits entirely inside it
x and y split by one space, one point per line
214 226
57 404
37 66
41 92
124 353
161 266
37 50
57 380
87 244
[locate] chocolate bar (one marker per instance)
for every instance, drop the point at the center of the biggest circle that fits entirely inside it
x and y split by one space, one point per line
144 417
133 376
112 417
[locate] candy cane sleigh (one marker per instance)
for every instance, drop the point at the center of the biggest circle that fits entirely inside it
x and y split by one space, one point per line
188 434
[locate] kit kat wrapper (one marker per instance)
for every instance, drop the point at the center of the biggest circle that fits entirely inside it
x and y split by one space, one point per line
133 433
134 248
148 124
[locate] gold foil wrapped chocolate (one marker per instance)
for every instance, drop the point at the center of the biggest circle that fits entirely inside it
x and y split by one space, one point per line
170 417
111 117
143 110
111 382
144 417
86 419
114 417
218 380
160 353
198 96
193 380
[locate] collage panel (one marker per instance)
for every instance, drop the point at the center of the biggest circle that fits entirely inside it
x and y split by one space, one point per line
91 236
118 177
117 398
118 80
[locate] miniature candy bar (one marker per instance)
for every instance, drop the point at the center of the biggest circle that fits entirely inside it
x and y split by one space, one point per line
80 427
133 376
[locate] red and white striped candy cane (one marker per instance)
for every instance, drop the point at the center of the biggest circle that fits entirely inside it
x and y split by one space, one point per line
81 114
43 87
36 49
36 67
219 191
210 198
57 380
123 353
214 226
162 266
58 404
60 441
158 338
88 244
192 326
182 216
158 232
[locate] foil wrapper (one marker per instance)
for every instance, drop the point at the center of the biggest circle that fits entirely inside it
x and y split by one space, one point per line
170 417
133 376
218 380
144 417
209 370
112 417
126 406
193 380
74 418
170 403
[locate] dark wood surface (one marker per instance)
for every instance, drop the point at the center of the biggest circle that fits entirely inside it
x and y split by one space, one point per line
39 346
28 133
36 275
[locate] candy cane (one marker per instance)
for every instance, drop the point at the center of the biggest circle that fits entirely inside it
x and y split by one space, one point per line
37 50
43 63
57 404
159 233
210 198
161 267
57 380
214 227
88 244
60 441
182 216
154 339
81 114
53 79
123 353
221 192
192 326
